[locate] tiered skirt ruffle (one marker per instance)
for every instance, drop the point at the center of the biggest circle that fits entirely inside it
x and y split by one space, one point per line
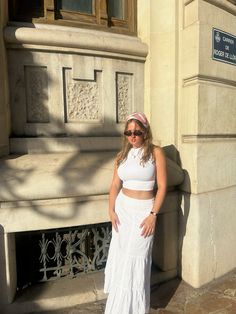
127 272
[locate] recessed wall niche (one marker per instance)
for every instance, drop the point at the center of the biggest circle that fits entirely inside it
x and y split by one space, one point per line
82 98
36 93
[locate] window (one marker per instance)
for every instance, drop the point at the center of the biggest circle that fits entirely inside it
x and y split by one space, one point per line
111 15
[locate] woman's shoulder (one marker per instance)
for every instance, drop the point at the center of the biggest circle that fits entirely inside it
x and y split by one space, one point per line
158 152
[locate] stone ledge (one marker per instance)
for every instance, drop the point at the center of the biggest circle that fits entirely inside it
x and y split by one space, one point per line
41 145
41 215
65 293
48 176
62 175
64 212
71 37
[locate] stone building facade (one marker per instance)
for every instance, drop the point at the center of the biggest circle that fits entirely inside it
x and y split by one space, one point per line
65 91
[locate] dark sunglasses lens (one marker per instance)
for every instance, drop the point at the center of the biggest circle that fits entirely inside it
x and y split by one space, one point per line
138 133
135 133
128 133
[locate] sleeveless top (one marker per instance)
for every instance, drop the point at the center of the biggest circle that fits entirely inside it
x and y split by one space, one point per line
137 176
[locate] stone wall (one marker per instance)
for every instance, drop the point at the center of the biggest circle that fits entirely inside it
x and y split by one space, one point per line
207 143
193 108
4 99
80 85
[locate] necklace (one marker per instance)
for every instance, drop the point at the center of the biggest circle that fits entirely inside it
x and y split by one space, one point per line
135 152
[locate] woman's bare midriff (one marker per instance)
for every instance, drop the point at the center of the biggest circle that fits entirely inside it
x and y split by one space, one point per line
141 195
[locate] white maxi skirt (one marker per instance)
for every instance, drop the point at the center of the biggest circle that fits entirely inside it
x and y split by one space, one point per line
128 267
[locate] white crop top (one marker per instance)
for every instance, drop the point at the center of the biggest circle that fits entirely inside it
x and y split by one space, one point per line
134 175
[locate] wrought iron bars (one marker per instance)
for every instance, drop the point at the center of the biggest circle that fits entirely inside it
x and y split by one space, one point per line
74 251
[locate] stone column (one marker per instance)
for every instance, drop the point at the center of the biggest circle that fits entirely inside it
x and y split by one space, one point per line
192 111
163 70
4 99
207 111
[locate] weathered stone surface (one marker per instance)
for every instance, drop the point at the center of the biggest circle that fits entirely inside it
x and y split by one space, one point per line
177 297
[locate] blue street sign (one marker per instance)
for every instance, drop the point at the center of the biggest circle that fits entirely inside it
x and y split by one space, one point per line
223 46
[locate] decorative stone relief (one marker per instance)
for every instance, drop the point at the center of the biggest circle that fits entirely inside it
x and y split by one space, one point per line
68 253
124 90
82 99
36 87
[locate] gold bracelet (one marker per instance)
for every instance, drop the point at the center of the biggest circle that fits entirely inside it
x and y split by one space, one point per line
153 213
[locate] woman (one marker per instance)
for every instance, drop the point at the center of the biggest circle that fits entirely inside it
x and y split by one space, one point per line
133 210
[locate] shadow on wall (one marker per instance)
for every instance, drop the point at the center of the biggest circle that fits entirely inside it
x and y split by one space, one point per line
170 231
184 191
65 175
73 174
183 215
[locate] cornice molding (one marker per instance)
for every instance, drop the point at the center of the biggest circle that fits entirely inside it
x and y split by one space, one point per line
191 138
227 5
74 38
208 79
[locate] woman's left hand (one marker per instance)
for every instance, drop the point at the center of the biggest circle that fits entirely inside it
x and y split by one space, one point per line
148 225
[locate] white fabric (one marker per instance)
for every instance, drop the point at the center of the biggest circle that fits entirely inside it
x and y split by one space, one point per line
136 176
127 272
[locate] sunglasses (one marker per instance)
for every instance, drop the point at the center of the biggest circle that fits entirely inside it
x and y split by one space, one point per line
134 133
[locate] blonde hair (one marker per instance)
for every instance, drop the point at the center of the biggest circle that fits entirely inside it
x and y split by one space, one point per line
148 146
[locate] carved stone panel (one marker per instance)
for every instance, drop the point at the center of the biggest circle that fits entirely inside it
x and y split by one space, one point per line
83 101
124 95
36 88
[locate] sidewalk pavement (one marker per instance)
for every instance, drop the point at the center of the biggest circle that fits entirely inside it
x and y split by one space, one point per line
176 296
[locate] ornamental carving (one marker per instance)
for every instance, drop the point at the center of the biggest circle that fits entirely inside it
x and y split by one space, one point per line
82 100
68 253
124 95
36 86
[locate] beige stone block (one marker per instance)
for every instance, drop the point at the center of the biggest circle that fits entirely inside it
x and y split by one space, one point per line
189 109
209 164
217 109
162 76
218 13
42 145
163 115
191 13
46 176
163 87
143 12
190 51
213 16
217 234
207 236
189 239
56 213
163 16
216 165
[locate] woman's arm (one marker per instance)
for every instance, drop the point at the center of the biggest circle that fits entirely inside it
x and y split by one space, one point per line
148 224
114 190
161 179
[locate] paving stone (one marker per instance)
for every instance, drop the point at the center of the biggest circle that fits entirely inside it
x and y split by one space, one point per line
177 297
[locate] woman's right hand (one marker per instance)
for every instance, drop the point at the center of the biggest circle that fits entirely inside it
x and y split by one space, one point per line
114 220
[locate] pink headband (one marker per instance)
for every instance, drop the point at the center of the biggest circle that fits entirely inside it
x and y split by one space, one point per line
140 117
